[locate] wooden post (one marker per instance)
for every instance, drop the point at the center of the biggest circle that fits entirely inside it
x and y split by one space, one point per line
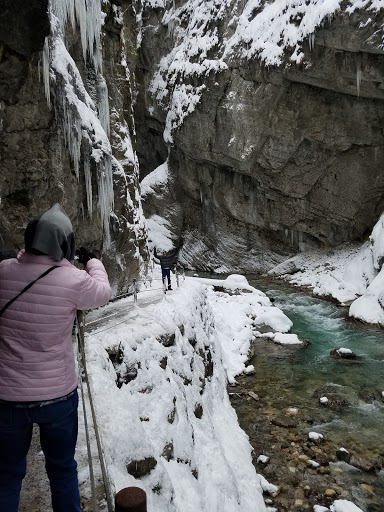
131 499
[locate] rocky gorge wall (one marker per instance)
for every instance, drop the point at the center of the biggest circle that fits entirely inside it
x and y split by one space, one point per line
272 159
269 150
67 130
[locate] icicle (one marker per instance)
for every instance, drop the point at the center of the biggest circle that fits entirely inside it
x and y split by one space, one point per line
85 136
45 58
103 104
301 242
359 74
88 16
311 41
106 196
88 184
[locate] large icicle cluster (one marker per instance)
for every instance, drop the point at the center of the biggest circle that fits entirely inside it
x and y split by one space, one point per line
87 13
85 125
254 29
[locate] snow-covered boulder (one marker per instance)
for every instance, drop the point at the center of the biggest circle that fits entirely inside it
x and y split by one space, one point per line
273 320
344 506
343 353
370 306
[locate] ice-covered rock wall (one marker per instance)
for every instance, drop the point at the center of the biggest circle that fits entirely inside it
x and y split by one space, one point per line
67 128
267 116
270 116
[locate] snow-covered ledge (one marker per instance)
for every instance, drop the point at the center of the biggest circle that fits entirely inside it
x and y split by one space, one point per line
170 428
351 274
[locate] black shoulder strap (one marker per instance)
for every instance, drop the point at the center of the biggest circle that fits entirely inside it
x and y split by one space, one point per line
25 289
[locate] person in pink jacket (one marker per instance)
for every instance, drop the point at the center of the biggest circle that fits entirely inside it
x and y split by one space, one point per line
38 381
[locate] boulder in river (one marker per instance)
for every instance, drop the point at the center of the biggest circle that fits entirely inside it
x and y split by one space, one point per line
343 353
343 454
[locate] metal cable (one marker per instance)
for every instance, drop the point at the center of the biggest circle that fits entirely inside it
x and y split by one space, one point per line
107 484
108 328
90 463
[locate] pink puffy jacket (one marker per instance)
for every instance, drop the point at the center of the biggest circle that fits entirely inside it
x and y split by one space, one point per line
36 355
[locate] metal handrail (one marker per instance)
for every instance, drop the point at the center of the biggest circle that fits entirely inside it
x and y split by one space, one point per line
107 484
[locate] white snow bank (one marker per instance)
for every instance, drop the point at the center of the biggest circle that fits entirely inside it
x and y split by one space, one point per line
236 317
377 243
159 233
348 273
344 506
232 282
370 306
155 181
275 319
177 409
286 339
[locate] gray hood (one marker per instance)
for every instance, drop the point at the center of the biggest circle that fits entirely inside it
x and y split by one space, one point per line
51 233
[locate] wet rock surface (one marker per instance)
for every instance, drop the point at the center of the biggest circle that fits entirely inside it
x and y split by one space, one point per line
308 469
300 170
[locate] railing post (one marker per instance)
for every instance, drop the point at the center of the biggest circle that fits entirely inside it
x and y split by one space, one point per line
131 499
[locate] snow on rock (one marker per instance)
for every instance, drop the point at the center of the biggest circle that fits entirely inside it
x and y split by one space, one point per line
263 459
236 282
370 306
351 274
155 181
344 506
268 33
174 409
315 436
324 272
248 29
273 320
267 487
377 243
344 351
236 317
312 463
286 339
159 233
319 508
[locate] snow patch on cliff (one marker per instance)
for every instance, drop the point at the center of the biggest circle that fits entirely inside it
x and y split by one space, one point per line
209 33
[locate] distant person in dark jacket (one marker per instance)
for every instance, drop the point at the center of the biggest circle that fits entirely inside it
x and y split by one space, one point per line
167 260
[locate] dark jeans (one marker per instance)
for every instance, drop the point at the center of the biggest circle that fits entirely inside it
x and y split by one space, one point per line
58 436
166 273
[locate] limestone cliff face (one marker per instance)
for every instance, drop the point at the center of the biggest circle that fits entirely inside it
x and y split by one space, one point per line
55 152
275 159
268 153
